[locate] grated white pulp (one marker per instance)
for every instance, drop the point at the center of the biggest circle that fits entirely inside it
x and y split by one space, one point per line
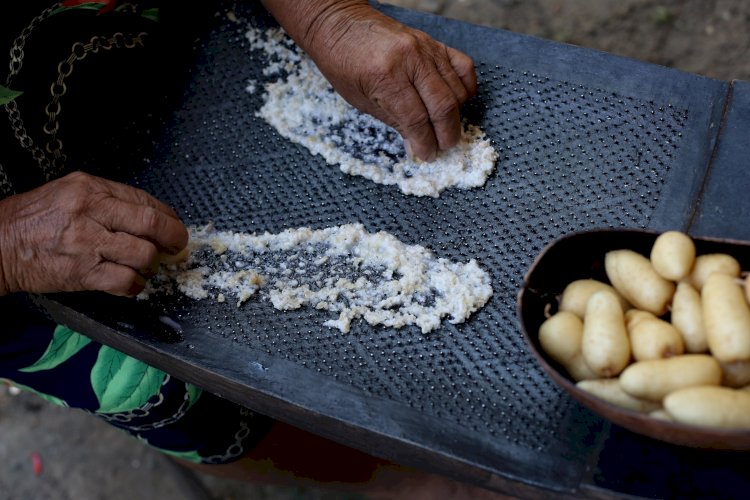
303 107
342 269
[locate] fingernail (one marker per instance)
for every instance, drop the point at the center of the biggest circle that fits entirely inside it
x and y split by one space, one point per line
409 150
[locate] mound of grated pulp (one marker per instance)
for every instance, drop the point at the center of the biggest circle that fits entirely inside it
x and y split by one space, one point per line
341 269
303 107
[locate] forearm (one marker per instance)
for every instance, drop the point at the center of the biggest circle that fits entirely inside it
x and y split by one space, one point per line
3 287
6 244
312 24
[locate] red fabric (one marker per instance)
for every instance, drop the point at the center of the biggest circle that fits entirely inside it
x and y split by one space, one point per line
107 5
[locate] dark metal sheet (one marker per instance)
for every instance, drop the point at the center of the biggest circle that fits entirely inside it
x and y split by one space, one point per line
585 139
725 204
590 75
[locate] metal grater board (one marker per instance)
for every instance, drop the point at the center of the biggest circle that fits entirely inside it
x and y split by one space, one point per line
585 140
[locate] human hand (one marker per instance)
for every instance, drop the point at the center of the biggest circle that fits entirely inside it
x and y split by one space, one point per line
82 232
397 74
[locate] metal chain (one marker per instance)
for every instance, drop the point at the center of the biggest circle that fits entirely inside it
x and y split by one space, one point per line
58 89
6 187
236 449
53 161
16 63
122 419
16 50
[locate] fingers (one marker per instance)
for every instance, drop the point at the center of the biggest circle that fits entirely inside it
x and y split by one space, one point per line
442 108
152 219
136 229
115 279
133 252
428 114
166 232
445 85
463 67
408 114
139 197
92 185
457 70
81 232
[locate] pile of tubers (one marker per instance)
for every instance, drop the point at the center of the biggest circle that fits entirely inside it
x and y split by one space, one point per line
668 336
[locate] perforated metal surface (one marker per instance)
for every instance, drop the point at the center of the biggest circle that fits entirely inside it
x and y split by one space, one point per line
574 154
570 157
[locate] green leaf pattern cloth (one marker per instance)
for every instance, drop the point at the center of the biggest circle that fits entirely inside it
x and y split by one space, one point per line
46 397
194 393
190 456
65 343
122 383
7 95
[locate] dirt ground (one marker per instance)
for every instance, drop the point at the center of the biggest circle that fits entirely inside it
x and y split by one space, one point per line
708 37
53 453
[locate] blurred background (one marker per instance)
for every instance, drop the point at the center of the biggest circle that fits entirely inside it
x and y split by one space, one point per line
48 452
708 37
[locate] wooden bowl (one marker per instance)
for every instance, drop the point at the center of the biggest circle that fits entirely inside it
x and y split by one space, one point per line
581 255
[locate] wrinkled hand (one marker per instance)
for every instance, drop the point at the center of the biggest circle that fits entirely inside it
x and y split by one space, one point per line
399 75
84 233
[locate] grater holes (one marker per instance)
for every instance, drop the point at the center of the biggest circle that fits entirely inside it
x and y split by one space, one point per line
566 153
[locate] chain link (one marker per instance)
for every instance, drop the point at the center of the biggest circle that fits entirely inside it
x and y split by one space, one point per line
16 50
16 63
236 449
58 89
53 161
125 418
6 187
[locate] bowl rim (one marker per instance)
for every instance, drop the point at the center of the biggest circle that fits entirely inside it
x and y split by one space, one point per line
641 423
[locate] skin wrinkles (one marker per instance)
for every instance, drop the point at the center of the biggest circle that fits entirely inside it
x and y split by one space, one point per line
397 74
81 232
